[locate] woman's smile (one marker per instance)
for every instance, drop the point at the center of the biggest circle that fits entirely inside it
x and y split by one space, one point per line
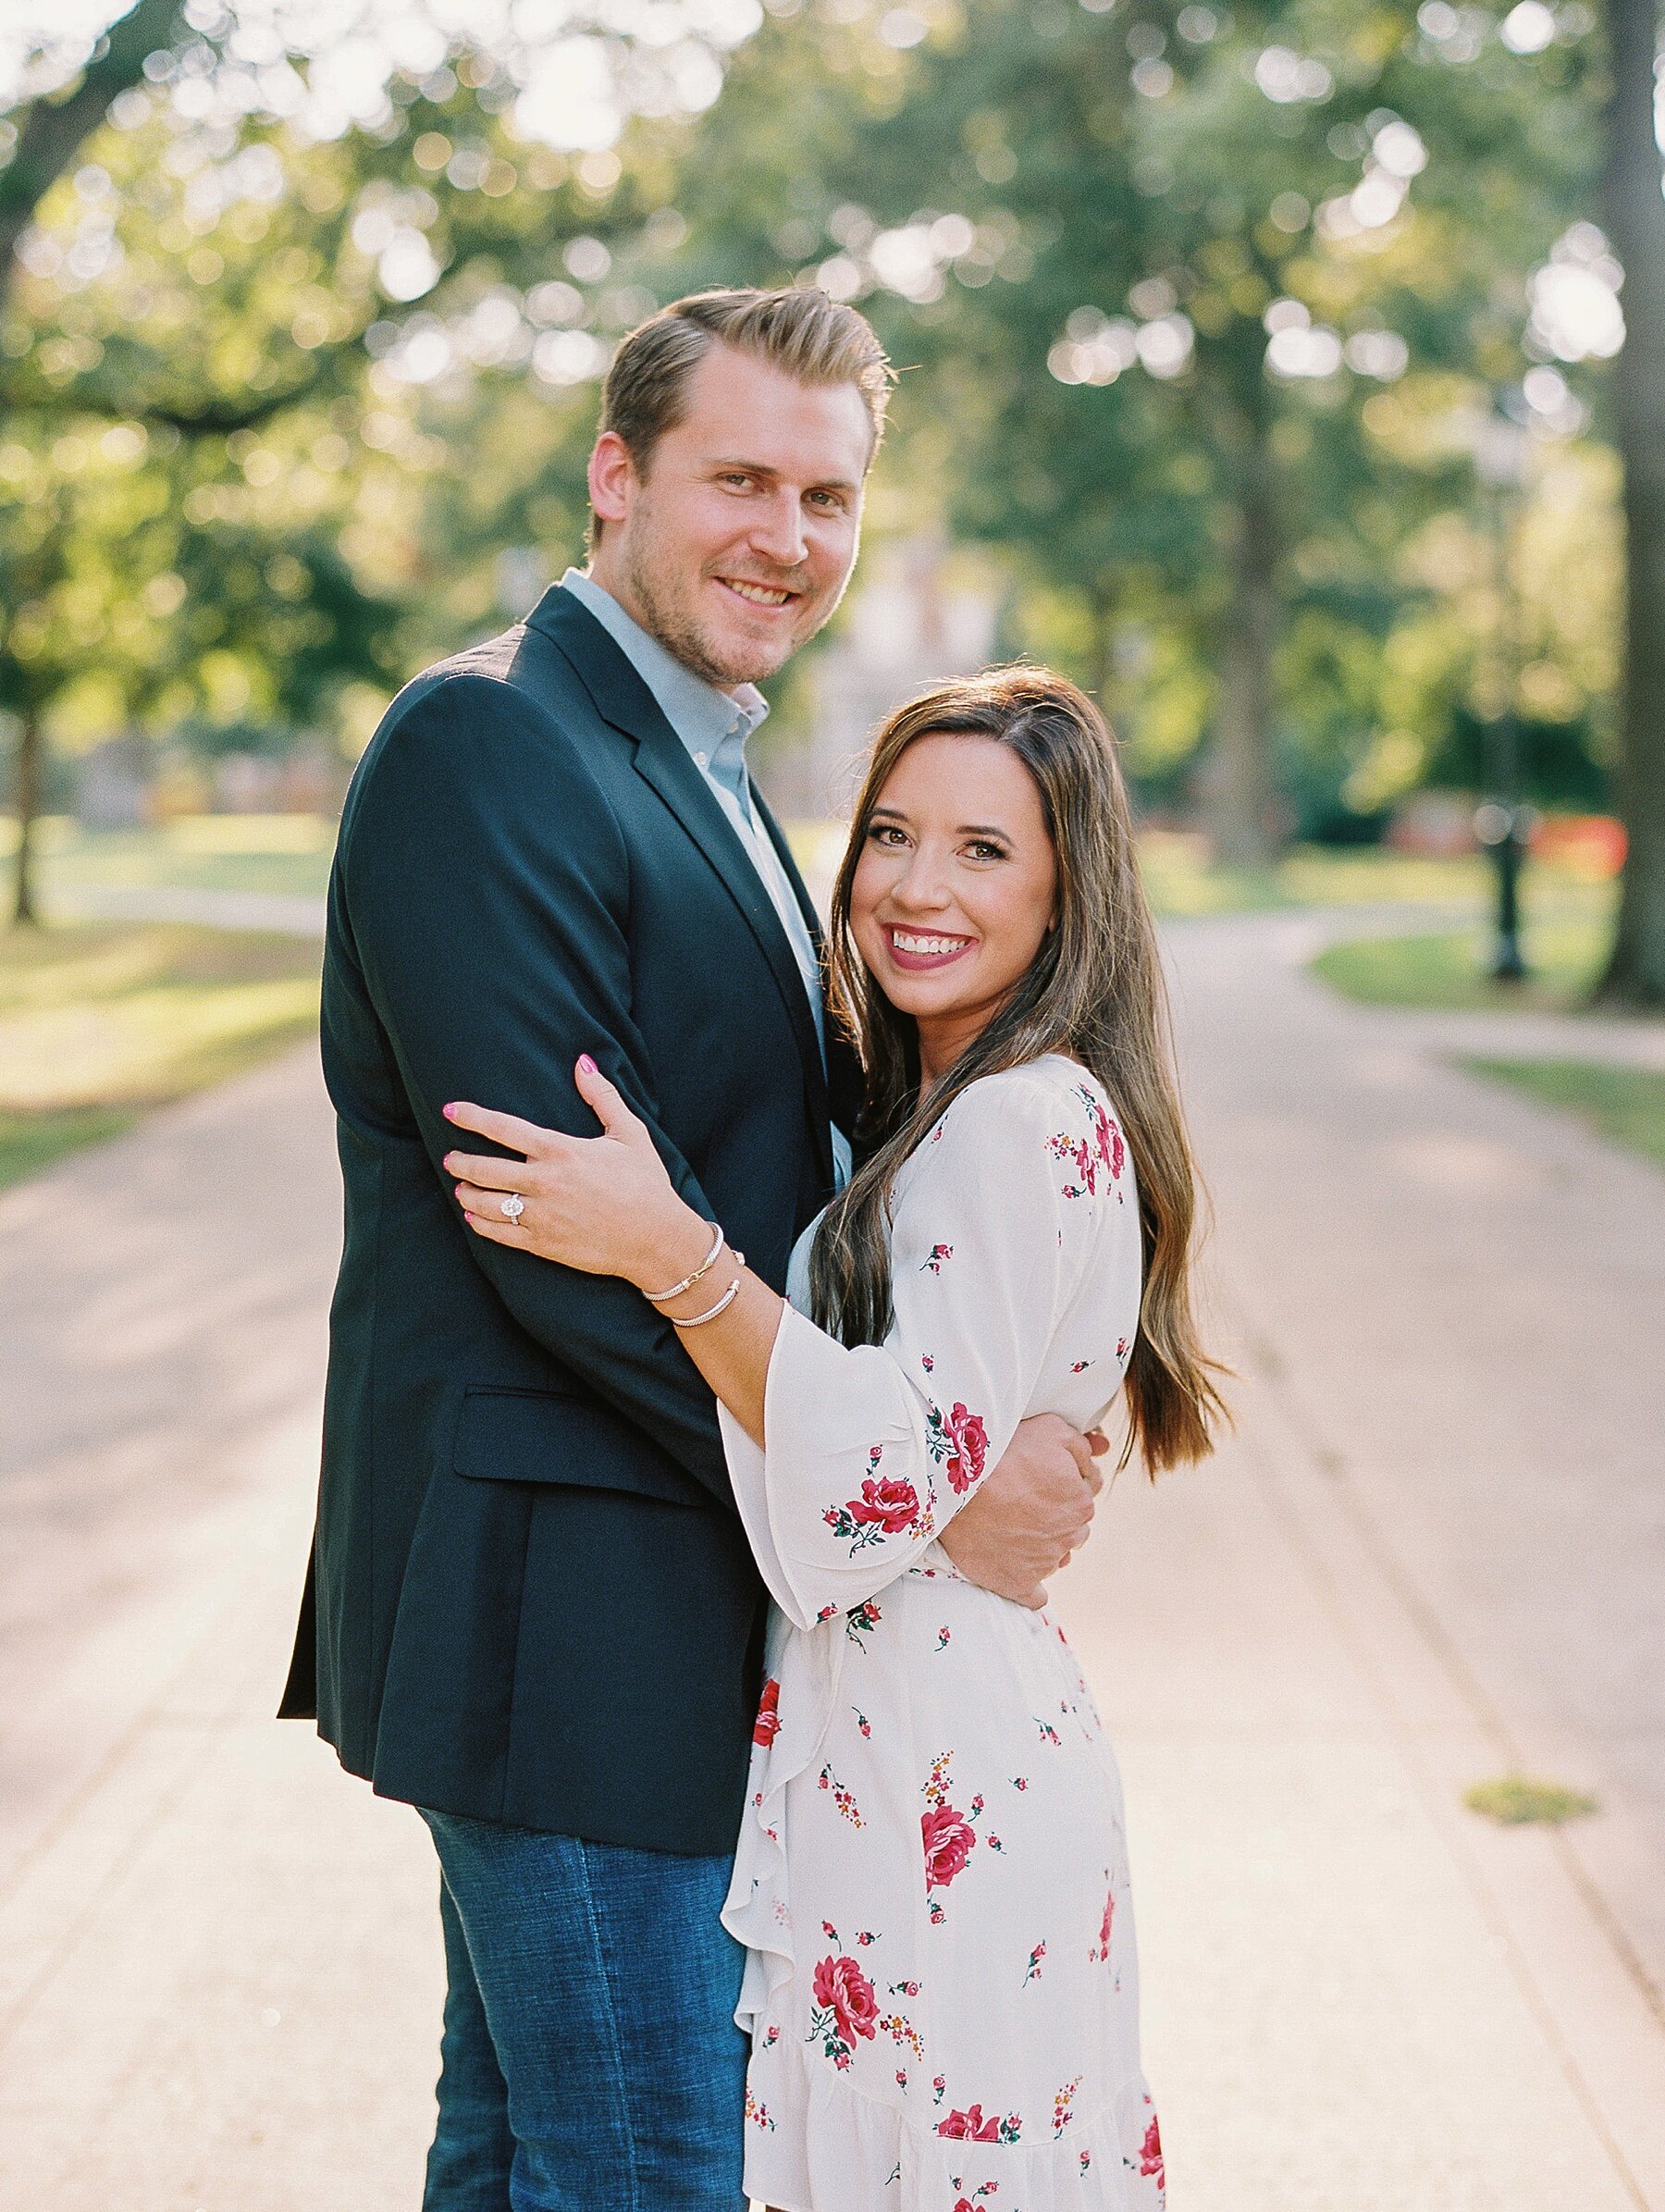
918 951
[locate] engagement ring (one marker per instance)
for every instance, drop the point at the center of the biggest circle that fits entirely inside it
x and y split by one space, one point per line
513 1207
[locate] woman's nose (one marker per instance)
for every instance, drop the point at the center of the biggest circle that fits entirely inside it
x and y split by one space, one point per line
920 887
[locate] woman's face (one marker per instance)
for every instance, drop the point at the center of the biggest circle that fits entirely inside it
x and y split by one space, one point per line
955 887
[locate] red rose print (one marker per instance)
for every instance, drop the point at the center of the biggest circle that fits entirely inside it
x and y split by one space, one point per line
969 2126
841 1988
893 1503
1150 2153
948 1841
970 1448
768 1723
1111 1149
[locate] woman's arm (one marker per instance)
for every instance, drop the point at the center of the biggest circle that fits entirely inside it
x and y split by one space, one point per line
847 1463
606 1206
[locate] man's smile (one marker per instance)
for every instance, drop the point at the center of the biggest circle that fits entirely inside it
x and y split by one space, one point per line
758 595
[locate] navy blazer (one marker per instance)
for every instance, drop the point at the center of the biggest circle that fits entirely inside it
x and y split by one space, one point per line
530 1598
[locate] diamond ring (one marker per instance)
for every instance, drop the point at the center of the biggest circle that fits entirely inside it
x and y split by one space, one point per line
513 1207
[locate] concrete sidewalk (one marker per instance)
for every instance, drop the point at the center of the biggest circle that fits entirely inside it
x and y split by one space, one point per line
1432 1550
218 1979
1431 1554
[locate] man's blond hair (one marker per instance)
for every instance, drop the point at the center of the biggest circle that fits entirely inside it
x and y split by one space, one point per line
798 328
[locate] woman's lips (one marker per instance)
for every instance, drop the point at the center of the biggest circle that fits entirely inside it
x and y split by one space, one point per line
918 951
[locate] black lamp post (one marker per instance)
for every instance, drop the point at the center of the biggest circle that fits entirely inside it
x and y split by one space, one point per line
1501 449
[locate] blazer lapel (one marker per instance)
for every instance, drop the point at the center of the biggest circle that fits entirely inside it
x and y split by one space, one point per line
622 699
844 1082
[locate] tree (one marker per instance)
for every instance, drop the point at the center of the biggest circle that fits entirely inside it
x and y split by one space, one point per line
57 124
196 247
1159 274
1635 222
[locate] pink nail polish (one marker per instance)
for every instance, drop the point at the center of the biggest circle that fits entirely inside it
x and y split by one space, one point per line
588 1064
449 1112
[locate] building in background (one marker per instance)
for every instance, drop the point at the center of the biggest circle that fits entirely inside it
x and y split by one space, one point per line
917 615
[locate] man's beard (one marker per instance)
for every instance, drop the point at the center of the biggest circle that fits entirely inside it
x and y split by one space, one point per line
681 636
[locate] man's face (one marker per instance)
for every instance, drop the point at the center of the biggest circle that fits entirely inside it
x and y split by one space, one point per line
735 545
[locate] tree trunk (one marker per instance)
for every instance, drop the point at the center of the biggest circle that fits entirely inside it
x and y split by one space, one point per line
1243 803
1102 602
1635 220
27 787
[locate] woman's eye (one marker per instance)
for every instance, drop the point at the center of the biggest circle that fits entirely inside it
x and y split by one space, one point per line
983 851
884 832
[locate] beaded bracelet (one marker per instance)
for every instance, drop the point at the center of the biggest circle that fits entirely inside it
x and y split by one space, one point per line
711 1314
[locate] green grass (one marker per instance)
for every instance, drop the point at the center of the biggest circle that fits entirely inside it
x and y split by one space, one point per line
1515 1800
1180 878
1564 951
101 1022
1625 1104
291 853
207 852
31 1142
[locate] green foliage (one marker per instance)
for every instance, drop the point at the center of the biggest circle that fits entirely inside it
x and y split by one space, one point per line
1453 968
1625 1105
1188 301
98 1024
1515 1799
287 411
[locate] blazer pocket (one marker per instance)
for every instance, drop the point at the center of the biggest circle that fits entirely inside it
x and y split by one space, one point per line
506 1435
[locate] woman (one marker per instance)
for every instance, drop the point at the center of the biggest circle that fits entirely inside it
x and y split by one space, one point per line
932 1880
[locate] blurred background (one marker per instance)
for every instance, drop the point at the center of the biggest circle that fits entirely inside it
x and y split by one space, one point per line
1293 375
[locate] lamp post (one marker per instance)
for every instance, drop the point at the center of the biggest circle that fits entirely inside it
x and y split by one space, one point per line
1501 447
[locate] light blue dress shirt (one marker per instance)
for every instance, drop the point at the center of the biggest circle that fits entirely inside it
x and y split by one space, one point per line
714 727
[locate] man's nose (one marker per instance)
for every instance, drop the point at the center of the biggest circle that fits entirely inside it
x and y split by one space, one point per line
777 532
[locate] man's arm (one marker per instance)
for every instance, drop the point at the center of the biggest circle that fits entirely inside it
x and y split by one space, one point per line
486 892
1031 1512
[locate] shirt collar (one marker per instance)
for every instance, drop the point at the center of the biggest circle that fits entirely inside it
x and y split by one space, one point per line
706 720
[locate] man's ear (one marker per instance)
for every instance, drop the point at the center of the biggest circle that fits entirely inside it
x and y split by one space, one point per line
611 476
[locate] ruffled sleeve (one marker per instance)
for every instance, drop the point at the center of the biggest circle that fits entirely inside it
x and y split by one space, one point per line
869 1451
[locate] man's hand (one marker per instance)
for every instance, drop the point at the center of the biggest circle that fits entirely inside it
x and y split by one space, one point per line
1030 1514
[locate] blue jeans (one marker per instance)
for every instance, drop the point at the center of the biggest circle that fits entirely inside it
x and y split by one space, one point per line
590 2061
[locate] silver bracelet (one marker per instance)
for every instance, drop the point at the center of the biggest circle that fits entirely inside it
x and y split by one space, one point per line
711 1314
687 1282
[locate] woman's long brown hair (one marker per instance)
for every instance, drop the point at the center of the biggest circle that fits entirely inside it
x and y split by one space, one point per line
1095 992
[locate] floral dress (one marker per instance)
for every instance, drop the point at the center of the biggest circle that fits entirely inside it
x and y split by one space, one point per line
931 1879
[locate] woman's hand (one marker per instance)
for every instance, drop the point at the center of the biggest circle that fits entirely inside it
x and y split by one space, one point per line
602 1204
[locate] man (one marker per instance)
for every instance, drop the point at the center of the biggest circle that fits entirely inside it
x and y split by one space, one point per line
531 1610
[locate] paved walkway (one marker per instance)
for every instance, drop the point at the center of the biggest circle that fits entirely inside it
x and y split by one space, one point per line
1432 1551
285 913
